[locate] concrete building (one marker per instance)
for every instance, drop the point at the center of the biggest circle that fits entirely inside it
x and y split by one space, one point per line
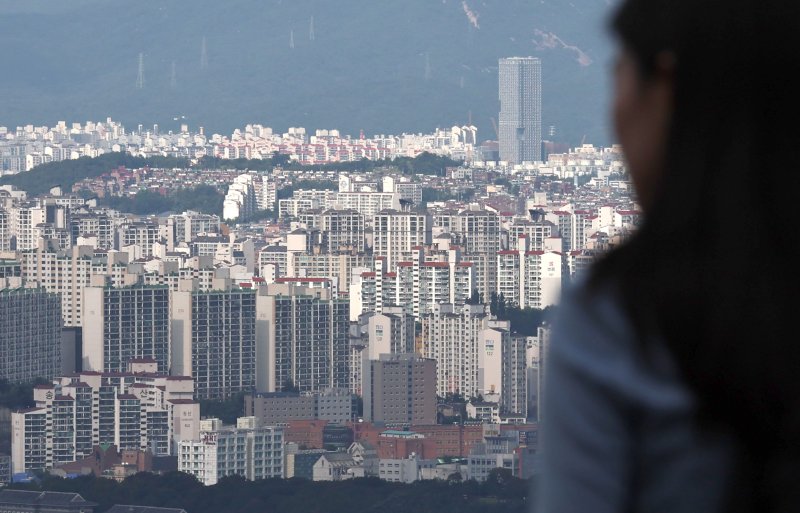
306 339
273 408
466 343
139 409
138 237
214 339
529 279
240 200
5 469
406 470
472 229
520 109
30 337
400 389
336 466
188 225
122 324
247 450
68 272
396 234
514 394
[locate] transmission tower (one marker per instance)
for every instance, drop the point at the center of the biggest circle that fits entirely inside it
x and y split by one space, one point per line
140 76
173 81
311 35
203 55
427 66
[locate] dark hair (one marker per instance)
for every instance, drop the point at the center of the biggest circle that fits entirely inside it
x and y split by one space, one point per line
713 270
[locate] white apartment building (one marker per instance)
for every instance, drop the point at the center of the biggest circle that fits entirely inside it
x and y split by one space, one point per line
368 203
68 272
240 200
397 234
336 266
467 345
416 285
247 450
474 230
529 279
139 409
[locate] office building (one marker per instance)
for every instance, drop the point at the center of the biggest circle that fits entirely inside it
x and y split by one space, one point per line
520 109
335 405
400 389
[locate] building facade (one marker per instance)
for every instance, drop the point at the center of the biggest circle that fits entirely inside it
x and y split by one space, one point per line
30 338
247 450
400 389
520 109
122 324
140 409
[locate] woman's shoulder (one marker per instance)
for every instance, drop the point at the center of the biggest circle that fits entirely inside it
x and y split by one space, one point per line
594 334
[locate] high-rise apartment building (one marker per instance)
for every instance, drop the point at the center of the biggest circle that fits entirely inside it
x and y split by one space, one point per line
515 391
400 389
214 340
467 344
520 109
124 324
396 234
30 337
307 339
139 409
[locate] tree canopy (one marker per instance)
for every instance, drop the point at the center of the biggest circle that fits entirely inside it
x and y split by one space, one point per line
65 173
203 198
499 493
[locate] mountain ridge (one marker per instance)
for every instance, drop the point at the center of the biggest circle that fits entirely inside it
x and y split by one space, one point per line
378 66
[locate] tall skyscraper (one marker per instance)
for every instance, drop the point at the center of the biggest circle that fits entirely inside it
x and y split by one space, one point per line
520 109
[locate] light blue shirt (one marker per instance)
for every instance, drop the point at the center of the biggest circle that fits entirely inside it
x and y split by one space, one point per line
618 431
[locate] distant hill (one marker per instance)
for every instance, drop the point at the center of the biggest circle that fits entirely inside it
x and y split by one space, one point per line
380 66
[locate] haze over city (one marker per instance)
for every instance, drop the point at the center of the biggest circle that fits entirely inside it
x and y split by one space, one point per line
293 255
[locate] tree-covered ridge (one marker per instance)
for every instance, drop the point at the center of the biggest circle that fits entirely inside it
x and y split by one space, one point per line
65 173
501 493
203 198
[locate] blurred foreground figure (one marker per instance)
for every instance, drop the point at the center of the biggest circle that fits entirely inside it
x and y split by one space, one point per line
673 381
